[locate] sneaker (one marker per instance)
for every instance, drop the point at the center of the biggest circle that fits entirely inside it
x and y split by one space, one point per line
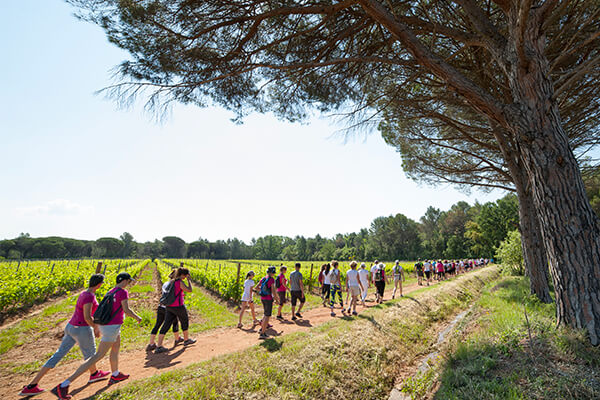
279 317
263 336
332 314
354 313
26 392
189 341
239 325
294 318
178 341
119 378
151 346
160 349
99 376
61 393
298 315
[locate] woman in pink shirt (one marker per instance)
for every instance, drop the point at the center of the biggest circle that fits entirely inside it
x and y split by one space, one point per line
79 330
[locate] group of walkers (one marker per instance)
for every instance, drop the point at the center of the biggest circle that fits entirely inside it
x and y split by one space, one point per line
104 320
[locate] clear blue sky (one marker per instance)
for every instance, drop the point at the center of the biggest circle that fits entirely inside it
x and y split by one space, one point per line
74 165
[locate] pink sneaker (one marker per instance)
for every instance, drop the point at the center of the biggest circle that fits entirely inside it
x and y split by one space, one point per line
62 393
116 379
26 392
98 376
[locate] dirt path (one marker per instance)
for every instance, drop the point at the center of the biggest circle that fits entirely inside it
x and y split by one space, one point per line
140 364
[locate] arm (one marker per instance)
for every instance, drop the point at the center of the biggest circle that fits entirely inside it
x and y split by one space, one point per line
302 287
87 315
129 311
186 287
274 293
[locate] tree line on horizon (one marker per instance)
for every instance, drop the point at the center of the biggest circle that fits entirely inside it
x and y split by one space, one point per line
460 232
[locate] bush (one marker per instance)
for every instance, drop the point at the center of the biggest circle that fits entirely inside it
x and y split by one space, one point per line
510 253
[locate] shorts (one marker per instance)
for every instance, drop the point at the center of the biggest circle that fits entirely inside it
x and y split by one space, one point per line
110 333
297 295
397 278
281 297
268 306
428 274
248 301
420 273
354 291
380 285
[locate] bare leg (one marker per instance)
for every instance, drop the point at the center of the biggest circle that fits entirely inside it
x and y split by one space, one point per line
103 348
253 311
242 312
114 355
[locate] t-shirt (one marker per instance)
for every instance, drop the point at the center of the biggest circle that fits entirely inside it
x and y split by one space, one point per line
120 295
419 267
270 283
427 266
363 274
282 282
374 272
295 279
84 298
327 280
440 267
397 269
179 295
164 289
247 296
334 277
352 278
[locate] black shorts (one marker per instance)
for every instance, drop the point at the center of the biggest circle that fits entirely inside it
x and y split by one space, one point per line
297 295
281 297
420 273
268 306
380 285
428 274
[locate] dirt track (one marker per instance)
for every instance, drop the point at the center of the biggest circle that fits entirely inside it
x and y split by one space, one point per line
140 364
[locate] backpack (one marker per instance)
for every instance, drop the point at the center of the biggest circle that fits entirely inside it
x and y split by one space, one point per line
278 282
264 288
167 298
104 313
379 274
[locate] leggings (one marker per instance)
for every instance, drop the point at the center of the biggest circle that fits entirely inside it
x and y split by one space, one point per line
173 313
325 291
160 318
338 289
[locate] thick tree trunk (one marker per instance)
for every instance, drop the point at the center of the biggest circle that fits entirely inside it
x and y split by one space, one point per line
570 228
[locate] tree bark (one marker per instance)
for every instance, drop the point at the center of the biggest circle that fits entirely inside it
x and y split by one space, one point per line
569 227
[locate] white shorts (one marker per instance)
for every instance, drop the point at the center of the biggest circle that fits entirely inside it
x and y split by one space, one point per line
354 291
109 333
397 278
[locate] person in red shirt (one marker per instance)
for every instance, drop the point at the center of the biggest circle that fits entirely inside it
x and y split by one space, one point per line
266 289
110 338
79 330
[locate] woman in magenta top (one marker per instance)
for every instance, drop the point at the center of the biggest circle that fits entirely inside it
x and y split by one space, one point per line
281 290
80 329
177 310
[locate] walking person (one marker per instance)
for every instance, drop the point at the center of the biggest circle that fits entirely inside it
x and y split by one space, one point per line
281 286
336 286
379 279
427 269
80 330
110 334
353 286
267 296
297 291
398 273
176 309
419 272
161 312
326 284
363 275
373 269
247 299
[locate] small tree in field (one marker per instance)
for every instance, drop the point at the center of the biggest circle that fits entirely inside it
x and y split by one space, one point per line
510 252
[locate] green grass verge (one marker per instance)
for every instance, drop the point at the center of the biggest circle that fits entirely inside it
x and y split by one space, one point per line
344 358
497 360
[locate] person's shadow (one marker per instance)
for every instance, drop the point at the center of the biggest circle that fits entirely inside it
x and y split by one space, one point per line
163 360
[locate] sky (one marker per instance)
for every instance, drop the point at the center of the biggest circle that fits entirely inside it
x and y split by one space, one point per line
76 165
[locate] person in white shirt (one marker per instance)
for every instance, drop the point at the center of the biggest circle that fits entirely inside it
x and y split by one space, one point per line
326 284
427 269
353 286
398 273
363 275
373 269
247 301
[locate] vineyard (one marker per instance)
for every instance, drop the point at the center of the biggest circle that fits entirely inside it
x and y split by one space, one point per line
23 284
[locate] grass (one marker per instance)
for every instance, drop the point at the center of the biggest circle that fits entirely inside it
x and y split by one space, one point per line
495 358
354 358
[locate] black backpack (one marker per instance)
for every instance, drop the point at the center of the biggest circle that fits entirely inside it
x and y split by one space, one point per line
167 298
104 313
